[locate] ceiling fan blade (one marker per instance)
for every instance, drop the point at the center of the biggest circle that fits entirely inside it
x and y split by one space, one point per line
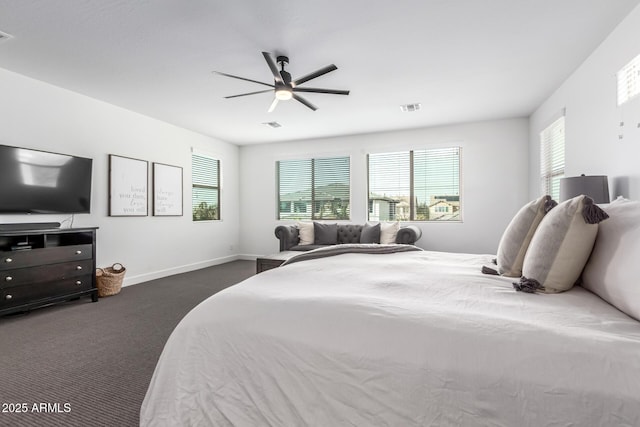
273 67
304 101
273 105
318 73
316 90
250 93
242 78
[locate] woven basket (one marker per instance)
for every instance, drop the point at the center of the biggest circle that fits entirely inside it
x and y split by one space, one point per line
109 279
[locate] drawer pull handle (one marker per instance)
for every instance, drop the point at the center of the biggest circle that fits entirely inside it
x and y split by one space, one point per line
8 297
79 267
78 252
8 260
78 282
8 278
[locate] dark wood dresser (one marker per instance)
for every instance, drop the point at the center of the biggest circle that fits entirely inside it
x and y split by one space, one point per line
42 267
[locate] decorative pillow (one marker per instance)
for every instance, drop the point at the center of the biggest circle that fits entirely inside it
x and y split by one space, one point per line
325 234
305 232
561 246
370 233
613 269
517 236
389 232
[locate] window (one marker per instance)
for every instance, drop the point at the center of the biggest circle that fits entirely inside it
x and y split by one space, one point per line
314 188
205 189
629 81
552 158
300 207
417 185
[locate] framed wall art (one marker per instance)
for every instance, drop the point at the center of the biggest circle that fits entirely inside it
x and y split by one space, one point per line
128 183
167 190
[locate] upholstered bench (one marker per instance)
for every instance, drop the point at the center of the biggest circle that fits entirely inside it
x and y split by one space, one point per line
289 236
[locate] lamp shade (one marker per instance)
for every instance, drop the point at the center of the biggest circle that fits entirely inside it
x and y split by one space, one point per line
595 186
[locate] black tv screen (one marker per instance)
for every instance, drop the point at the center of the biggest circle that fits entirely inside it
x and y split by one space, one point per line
33 181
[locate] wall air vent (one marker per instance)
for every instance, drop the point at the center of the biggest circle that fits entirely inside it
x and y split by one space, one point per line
4 36
407 108
274 125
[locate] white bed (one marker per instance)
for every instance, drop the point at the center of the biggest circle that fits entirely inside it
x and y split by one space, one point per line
404 339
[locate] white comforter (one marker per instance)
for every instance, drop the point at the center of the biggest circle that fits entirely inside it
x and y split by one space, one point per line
406 339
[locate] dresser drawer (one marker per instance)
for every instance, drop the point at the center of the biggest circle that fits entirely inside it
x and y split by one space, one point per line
17 295
31 257
45 273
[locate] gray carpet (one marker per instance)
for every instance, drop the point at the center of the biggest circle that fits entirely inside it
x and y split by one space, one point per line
90 363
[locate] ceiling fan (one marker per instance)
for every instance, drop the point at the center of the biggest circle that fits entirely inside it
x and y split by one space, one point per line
284 88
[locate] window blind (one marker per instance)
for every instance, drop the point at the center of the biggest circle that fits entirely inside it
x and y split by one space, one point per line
552 158
629 80
205 188
314 188
416 185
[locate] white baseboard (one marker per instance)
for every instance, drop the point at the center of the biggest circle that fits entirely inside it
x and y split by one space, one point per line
249 257
134 280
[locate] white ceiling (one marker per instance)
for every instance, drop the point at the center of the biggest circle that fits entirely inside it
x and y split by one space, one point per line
464 60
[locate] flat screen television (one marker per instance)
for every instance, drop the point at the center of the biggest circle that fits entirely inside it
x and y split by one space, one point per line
40 182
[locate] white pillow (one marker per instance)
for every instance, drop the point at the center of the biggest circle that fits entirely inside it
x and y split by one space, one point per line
305 233
518 234
613 269
389 232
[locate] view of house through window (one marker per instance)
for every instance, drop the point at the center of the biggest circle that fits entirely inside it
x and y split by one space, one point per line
417 185
205 187
314 188
552 158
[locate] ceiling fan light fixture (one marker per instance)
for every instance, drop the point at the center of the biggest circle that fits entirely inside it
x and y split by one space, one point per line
283 94
284 87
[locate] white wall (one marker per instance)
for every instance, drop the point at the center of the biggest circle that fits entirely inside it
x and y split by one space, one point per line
37 115
494 185
592 117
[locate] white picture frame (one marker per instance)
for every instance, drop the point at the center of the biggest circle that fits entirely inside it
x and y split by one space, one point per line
167 190
128 186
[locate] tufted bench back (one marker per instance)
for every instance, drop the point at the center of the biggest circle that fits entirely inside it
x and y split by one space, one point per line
349 233
289 238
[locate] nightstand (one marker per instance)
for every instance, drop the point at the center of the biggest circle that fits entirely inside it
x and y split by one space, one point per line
268 262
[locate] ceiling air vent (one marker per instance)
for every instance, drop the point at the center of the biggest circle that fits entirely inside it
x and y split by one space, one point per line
274 125
4 36
407 108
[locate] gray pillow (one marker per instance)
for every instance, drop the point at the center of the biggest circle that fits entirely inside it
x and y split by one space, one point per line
325 234
561 246
370 233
